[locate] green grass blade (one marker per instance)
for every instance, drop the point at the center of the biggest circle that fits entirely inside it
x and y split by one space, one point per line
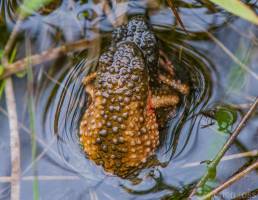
2 86
32 118
238 8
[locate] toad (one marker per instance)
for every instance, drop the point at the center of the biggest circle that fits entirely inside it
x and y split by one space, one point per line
119 129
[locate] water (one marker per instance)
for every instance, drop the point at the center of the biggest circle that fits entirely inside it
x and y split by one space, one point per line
63 170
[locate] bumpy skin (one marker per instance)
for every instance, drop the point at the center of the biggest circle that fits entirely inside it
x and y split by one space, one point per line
119 129
139 32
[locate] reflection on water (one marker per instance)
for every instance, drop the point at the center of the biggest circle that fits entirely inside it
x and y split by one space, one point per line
61 98
65 108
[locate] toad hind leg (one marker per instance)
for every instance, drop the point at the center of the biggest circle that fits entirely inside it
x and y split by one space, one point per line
167 103
166 64
176 84
164 101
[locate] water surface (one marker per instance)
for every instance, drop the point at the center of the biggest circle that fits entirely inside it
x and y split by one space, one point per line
63 170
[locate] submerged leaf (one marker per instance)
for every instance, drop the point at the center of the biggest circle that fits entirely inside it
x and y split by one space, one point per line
224 115
237 79
225 118
238 8
237 76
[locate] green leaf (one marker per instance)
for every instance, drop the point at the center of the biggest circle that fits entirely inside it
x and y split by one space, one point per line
1 70
21 74
1 53
212 172
225 118
29 6
238 8
84 15
237 79
13 55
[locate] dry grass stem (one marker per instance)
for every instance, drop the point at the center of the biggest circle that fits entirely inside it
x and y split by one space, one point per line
253 153
229 53
45 56
13 118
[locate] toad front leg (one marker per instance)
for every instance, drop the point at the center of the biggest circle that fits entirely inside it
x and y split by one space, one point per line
170 79
87 81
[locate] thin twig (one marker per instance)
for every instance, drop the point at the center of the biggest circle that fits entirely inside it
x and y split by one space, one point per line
11 40
247 195
117 14
178 18
47 55
253 153
13 118
43 143
14 139
6 179
41 155
229 53
231 180
212 166
51 178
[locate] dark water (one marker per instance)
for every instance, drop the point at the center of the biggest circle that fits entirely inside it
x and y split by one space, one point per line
60 98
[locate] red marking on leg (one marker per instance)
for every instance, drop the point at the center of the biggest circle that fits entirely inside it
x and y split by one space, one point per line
150 106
